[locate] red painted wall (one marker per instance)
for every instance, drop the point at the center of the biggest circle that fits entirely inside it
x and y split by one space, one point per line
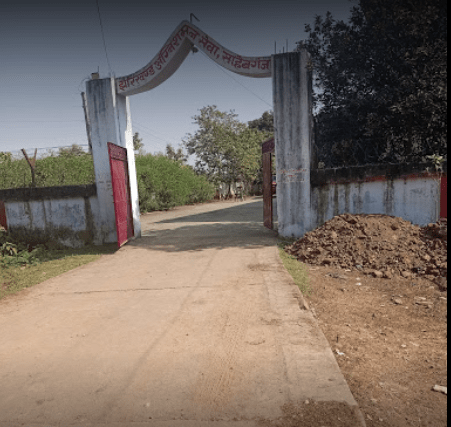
2 215
444 198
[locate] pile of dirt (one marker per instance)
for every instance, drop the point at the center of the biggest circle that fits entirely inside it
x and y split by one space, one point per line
378 245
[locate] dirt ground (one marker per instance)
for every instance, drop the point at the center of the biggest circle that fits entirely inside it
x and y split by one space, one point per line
391 353
389 335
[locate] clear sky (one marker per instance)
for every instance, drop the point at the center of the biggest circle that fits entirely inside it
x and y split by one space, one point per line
49 48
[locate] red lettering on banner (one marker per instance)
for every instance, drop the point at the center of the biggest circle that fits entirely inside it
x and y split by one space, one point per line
170 48
160 61
204 41
212 48
238 62
209 45
246 64
178 37
191 32
264 64
226 56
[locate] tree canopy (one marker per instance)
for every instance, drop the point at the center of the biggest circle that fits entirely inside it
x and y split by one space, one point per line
265 123
138 145
226 150
176 155
381 82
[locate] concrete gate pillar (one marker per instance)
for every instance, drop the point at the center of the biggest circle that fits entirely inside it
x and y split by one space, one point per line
110 121
292 94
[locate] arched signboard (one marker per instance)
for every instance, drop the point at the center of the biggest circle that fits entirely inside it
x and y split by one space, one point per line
175 51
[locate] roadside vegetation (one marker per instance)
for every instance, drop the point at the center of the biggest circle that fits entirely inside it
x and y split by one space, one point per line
66 167
226 150
164 183
297 270
23 265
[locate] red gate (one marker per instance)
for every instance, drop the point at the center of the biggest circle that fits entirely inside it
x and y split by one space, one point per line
121 193
267 150
3 215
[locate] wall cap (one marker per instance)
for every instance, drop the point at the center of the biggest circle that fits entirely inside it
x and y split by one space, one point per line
47 193
368 173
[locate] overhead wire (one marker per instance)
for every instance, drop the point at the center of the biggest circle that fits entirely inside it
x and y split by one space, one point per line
40 121
103 37
237 81
151 132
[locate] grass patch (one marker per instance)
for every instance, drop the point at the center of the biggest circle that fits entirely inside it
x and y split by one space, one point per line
296 269
14 278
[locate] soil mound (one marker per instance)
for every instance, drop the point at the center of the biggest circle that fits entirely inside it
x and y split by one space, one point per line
379 245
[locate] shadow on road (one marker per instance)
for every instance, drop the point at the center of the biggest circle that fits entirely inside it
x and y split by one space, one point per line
249 212
235 226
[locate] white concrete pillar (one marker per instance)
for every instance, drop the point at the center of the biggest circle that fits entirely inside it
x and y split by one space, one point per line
110 121
292 93
126 138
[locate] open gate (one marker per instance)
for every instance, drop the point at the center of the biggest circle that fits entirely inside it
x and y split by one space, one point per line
121 193
267 154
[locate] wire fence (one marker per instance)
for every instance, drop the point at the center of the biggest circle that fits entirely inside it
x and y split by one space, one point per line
47 167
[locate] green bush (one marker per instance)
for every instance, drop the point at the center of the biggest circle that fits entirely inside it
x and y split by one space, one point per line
162 183
165 183
51 171
16 252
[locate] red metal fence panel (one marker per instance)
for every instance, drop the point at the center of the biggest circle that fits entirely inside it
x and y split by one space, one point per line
268 148
3 215
121 193
267 192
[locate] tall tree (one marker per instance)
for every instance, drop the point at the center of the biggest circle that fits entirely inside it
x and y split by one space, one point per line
176 155
381 81
265 123
211 160
226 149
138 145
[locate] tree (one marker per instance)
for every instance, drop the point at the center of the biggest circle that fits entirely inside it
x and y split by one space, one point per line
176 155
226 149
243 150
211 159
138 145
265 123
381 82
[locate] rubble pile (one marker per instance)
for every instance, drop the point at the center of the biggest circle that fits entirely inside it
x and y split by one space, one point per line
378 245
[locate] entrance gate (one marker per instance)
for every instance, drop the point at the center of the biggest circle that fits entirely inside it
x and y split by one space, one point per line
108 119
121 193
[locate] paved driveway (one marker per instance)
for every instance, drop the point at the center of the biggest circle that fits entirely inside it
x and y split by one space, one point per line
196 323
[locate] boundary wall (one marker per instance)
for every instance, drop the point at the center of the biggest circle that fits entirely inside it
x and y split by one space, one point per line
63 216
408 191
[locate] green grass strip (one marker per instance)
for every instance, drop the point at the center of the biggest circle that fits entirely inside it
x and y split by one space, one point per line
14 278
297 270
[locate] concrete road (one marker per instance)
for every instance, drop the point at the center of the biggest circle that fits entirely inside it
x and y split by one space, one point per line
195 324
